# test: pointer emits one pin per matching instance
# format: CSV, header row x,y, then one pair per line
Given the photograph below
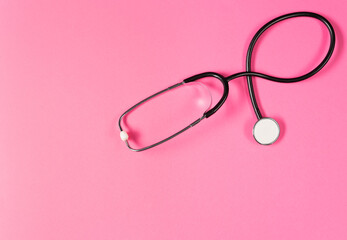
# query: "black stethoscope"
x,y
266,130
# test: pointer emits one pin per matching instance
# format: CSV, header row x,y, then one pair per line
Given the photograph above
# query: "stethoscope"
x,y
266,130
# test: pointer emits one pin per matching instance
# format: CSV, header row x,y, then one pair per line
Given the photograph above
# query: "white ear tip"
x,y
124,136
266,131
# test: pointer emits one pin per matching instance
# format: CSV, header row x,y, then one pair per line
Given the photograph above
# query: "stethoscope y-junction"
x,y
266,130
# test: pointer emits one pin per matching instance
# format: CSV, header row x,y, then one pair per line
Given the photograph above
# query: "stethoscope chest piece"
x,y
266,131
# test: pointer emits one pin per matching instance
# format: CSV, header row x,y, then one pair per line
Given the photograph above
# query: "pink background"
x,y
68,69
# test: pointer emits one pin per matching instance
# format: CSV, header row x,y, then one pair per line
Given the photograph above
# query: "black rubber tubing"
x,y
249,74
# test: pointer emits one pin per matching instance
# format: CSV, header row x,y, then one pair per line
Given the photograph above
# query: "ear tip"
x,y
124,136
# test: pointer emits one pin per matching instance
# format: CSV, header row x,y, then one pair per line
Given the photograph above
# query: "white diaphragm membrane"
x,y
266,131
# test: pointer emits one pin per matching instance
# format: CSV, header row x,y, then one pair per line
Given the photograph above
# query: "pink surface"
x,y
68,69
